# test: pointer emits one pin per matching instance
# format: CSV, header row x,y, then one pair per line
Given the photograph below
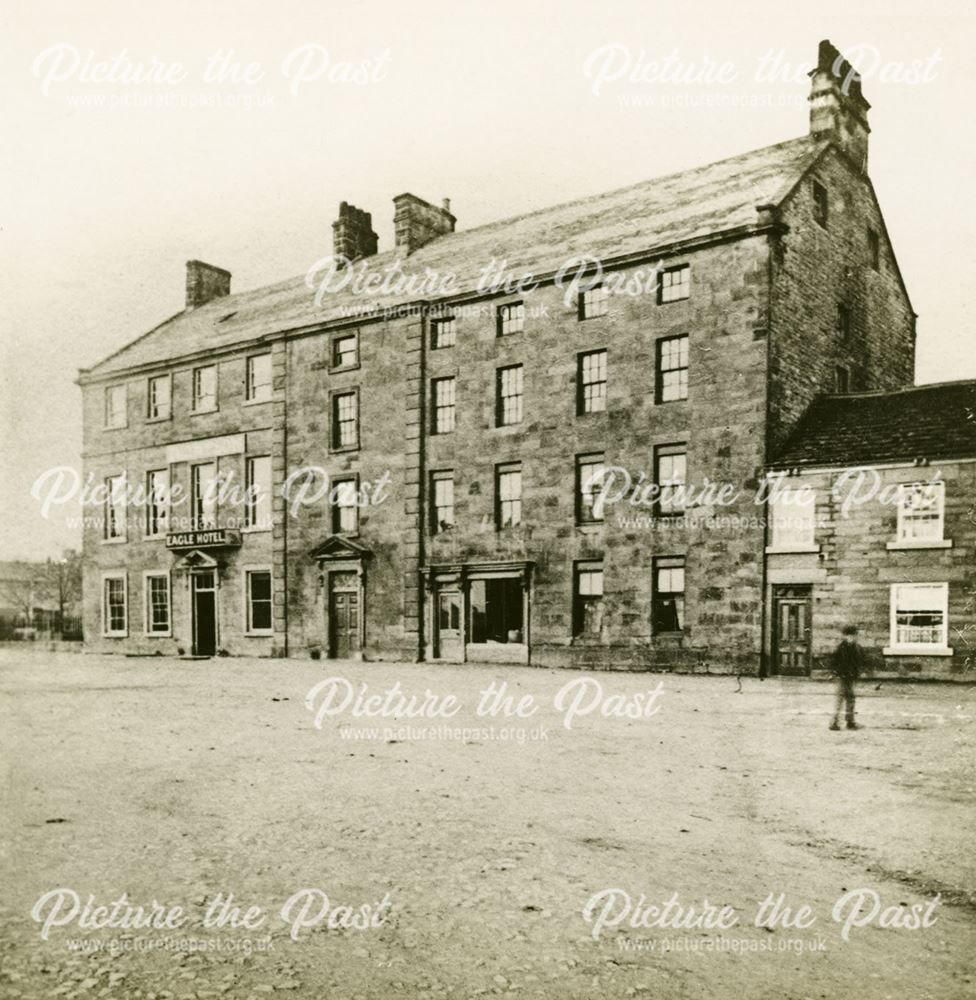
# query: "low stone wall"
x,y
43,645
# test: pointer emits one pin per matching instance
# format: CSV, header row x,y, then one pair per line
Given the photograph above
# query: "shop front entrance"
x,y
478,612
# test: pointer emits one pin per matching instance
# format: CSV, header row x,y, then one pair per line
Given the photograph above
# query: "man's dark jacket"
x,y
847,660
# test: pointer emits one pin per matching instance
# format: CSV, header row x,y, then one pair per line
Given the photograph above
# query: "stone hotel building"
x,y
448,447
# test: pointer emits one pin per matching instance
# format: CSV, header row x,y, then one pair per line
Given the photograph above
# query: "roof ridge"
x,y
806,138
583,199
635,216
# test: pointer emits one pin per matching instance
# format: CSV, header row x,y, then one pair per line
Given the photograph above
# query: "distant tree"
x,y
44,595
62,586
18,593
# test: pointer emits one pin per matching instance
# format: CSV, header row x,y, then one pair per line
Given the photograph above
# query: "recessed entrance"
x,y
448,645
204,603
343,615
342,588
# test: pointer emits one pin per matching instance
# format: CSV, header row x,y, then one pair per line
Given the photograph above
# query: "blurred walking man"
x,y
846,663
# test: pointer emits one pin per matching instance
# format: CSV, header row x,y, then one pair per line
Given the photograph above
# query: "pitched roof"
x,y
683,206
927,421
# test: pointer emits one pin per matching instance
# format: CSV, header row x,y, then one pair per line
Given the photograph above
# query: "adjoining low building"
x,y
874,524
423,457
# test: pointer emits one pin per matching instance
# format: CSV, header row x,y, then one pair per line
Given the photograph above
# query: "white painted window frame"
x,y
901,540
147,616
124,422
195,399
251,396
919,648
150,382
122,575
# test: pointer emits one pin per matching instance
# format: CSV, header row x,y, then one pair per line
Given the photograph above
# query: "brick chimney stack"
x,y
205,282
417,222
838,109
352,233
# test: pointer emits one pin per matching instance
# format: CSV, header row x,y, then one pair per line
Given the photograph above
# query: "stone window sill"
x,y
775,550
255,402
917,651
940,543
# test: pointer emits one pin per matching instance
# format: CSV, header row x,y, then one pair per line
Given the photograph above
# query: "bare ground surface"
x,y
172,781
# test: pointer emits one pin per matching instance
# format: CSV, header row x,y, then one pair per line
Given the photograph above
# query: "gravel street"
x,y
467,855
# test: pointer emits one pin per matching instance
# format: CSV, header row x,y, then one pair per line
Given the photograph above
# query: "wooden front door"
x,y
204,613
447,626
343,615
791,630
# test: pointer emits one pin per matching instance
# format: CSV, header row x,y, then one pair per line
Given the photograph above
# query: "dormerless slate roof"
x,y
927,421
675,208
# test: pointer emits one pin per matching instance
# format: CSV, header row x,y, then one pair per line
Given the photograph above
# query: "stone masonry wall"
x,y
815,270
381,380
852,573
721,422
140,447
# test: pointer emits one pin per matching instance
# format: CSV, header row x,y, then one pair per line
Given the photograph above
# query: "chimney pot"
x,y
205,282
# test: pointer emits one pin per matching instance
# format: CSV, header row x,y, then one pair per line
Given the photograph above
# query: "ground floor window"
x,y
668,611
157,603
258,601
496,610
114,606
919,615
588,599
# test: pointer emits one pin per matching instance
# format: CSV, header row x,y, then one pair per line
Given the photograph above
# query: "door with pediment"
x,y
344,610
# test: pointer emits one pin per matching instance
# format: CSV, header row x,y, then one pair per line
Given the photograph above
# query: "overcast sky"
x,y
105,196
